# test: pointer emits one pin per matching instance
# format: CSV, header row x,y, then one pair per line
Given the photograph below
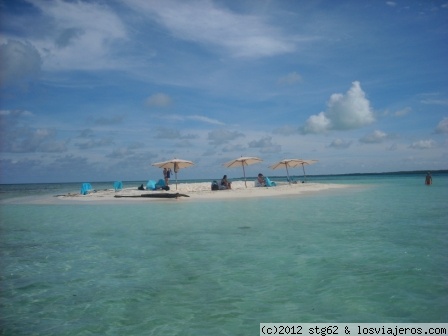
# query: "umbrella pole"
x,y
304,175
244,172
287,173
176,179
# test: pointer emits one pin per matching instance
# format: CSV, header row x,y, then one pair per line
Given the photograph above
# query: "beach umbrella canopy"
x,y
301,162
175,165
286,163
292,163
242,162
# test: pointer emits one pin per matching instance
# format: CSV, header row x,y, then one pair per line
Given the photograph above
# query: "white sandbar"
x,y
202,190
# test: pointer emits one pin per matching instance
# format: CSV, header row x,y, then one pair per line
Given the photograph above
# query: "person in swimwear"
x,y
428,179
167,175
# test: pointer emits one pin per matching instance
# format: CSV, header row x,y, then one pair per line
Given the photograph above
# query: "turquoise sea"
x,y
374,252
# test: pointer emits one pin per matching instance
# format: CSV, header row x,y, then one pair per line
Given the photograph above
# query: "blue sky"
x,y
99,90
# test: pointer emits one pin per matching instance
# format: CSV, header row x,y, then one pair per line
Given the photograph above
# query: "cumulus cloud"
x,y
29,140
374,137
340,144
17,136
20,62
79,35
317,124
265,145
209,24
158,100
423,144
222,136
344,112
442,126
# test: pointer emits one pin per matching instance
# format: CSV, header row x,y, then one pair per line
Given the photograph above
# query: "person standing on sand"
x,y
428,179
167,175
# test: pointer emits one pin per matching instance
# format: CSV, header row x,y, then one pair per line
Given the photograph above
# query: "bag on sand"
x,y
215,185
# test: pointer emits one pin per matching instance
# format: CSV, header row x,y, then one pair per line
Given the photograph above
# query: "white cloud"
x,y
206,23
80,35
339,144
158,100
374,137
29,140
222,136
351,110
200,118
423,144
442,126
317,124
265,144
17,136
168,133
11,116
402,112
443,102
205,119
290,79
19,62
344,112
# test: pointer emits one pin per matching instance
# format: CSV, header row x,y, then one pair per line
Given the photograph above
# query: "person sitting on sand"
x,y
225,183
260,181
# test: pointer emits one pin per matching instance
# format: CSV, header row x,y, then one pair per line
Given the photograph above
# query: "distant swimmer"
x,y
428,179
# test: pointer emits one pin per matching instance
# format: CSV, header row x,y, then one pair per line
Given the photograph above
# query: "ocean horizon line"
x,y
198,180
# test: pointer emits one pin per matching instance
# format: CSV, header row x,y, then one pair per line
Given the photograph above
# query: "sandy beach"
x,y
201,191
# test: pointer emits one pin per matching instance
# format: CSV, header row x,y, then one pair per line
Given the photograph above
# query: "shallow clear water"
x,y
373,253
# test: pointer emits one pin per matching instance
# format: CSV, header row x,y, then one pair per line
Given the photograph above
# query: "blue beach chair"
x,y
118,185
86,188
269,183
160,184
151,185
